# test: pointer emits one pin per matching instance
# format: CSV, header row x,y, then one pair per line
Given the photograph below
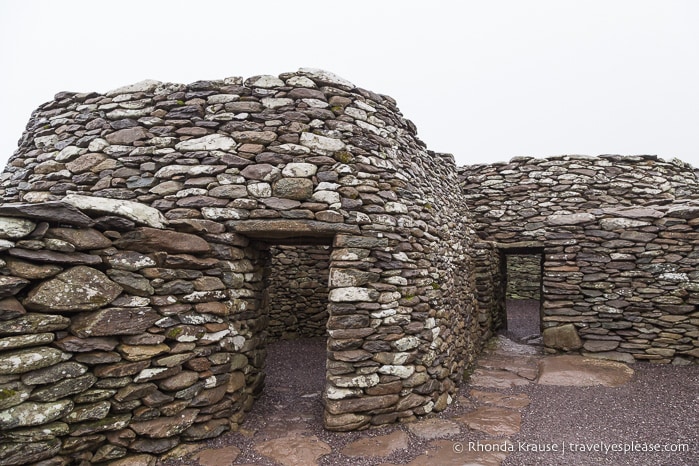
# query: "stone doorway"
x,y
294,316
524,286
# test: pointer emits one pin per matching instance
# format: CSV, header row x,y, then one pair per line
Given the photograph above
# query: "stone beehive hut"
x,y
153,240
618,242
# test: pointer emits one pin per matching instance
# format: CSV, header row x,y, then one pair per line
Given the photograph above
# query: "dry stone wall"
x,y
137,233
621,242
524,276
297,292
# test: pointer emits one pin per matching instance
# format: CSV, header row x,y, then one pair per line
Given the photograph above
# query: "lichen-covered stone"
x,y
77,289
26,360
34,414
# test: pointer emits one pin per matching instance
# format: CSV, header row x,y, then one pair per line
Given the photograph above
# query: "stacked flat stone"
x,y
136,236
620,237
297,292
523,276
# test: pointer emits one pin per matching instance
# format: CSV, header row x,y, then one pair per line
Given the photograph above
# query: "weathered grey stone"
x,y
110,423
34,414
13,393
208,142
19,453
64,388
34,323
147,86
54,373
293,188
91,412
131,282
47,211
22,341
77,289
26,360
569,219
10,286
139,213
352,293
15,228
113,321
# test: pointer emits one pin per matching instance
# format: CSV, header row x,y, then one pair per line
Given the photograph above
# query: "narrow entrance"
x,y
294,305
523,294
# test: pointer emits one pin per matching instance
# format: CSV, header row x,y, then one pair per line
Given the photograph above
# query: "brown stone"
x,y
114,321
563,337
579,371
29,271
294,450
54,257
121,369
493,421
74,344
146,240
367,403
10,308
450,453
163,427
429,429
595,346
180,381
217,456
502,400
126,136
85,239
378,446
496,379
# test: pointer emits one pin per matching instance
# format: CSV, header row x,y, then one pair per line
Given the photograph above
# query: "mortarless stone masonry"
x,y
154,238
142,236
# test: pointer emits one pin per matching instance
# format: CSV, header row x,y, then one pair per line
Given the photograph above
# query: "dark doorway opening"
x,y
294,308
523,304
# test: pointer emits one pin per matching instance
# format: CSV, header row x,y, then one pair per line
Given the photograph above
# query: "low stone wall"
x,y
115,342
297,292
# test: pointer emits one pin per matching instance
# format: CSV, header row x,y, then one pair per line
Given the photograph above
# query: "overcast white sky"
x,y
484,80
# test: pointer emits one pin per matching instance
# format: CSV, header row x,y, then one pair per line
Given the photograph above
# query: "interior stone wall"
x,y
621,241
523,276
489,265
297,292
136,228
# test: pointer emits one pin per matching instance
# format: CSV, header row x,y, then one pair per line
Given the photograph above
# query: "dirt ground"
x,y
657,408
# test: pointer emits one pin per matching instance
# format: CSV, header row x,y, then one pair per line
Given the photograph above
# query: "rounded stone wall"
x,y
620,240
135,240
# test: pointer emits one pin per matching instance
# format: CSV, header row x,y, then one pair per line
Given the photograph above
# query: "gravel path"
x,y
659,405
523,320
